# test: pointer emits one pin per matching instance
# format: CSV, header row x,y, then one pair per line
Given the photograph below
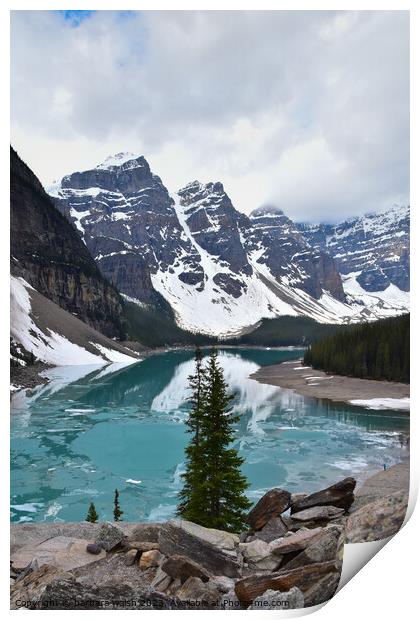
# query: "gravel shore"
x,y
316,383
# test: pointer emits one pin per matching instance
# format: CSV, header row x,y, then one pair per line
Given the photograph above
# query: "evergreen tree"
x,y
214,487
378,350
92,515
190,498
117,510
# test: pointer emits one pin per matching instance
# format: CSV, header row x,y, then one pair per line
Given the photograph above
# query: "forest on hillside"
x,y
379,350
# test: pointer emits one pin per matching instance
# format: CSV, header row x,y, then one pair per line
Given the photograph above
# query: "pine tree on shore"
x,y
117,510
214,487
379,350
190,498
92,515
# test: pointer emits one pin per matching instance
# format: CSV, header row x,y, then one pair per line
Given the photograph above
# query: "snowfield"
x,y
397,404
47,345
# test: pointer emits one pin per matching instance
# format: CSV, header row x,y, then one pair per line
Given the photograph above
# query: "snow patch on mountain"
x,y
47,345
222,271
117,160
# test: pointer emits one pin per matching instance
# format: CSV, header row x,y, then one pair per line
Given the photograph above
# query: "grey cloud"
x,y
309,110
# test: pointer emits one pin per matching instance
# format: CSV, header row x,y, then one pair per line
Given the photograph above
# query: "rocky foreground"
x,y
289,557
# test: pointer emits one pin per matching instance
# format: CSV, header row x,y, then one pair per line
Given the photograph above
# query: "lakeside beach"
x,y
315,383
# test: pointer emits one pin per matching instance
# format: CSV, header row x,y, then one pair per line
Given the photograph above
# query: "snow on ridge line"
x,y
51,347
117,160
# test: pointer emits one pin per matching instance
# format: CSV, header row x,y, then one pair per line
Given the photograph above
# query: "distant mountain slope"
x,y
49,254
52,335
374,248
219,270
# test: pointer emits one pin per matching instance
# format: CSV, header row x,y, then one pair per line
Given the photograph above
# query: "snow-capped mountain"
x,y
372,253
62,309
220,270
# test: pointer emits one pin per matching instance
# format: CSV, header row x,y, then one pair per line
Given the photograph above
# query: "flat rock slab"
x,y
339,495
382,484
273,529
296,542
194,590
377,520
30,534
181,567
145,532
31,587
110,536
60,551
323,590
273,599
318,513
326,546
272,504
305,577
215,550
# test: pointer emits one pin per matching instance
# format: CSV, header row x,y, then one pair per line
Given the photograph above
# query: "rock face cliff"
x,y
219,270
49,254
374,248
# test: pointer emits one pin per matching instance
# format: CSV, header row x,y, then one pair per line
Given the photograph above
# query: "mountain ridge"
x,y
218,269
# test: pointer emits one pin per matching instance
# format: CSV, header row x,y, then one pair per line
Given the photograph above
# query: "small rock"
x,y
230,601
273,529
179,566
296,542
318,513
322,548
33,565
12,582
273,599
339,495
222,583
174,586
323,590
130,557
110,536
146,532
297,497
258,555
150,558
194,590
142,546
272,504
94,548
161,580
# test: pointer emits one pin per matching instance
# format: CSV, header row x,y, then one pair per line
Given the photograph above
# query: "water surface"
x,y
92,430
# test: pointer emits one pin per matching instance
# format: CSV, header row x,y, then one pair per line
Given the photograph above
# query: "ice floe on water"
x,y
396,404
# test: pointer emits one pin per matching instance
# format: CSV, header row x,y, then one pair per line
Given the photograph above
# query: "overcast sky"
x,y
305,110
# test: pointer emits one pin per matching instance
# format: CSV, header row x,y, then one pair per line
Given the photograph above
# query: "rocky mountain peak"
x,y
118,173
266,211
204,195
219,269
119,159
373,249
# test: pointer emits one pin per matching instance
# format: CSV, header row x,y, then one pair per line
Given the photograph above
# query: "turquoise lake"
x,y
91,430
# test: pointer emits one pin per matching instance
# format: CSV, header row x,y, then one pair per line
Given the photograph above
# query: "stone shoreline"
x,y
289,557
318,384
